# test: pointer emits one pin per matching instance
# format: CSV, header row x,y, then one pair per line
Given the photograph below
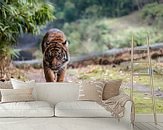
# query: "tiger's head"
x,y
54,36
55,57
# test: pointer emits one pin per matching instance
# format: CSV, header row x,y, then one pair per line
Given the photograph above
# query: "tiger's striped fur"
x,y
55,55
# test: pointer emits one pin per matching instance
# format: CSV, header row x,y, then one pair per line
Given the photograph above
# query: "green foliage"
x,y
71,10
122,38
20,16
5,50
86,36
89,30
92,35
153,14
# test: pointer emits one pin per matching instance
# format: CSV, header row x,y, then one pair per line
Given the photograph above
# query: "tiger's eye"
x,y
47,43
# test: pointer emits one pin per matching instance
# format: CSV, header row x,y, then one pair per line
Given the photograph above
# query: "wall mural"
x,y
84,40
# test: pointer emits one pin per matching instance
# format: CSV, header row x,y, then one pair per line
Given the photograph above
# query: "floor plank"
x,y
151,127
141,126
148,126
157,126
136,128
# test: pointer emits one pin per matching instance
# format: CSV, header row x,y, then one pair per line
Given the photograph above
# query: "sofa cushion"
x,y
16,95
5,85
90,91
111,89
80,109
18,84
26,109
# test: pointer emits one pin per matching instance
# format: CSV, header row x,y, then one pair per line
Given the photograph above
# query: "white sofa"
x,y
57,108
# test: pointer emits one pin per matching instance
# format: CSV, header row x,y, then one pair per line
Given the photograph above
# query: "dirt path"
x,y
35,74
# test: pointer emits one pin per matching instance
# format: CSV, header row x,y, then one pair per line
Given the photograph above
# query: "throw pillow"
x,y
18,84
16,95
5,85
111,89
90,91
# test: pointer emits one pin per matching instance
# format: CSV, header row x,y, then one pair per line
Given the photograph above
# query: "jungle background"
x,y
99,34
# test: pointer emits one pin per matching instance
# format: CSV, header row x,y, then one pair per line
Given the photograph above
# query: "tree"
x,y
17,17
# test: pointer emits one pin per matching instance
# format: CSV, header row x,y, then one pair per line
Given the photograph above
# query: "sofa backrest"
x,y
57,92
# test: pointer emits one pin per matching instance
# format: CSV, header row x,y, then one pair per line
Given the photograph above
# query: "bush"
x,y
86,36
153,14
72,10
123,38
92,35
18,17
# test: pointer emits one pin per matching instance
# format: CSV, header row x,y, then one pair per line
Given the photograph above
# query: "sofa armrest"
x,y
127,118
127,112
128,109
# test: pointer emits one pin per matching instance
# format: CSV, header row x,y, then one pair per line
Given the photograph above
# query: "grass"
x,y
143,102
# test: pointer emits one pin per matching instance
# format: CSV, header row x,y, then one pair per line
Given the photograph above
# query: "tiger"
x,y
55,55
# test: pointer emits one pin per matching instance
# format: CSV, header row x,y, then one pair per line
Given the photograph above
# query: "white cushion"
x,y
16,95
26,109
55,92
5,85
80,109
18,84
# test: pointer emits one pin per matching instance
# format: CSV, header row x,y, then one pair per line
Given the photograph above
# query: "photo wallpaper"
x,y
92,40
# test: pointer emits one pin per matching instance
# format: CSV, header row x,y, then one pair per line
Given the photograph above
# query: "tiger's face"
x,y
55,56
54,36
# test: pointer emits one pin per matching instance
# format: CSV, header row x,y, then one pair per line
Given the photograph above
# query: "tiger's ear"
x,y
65,43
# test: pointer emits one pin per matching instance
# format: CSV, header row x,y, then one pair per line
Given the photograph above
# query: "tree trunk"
x,y
4,67
116,56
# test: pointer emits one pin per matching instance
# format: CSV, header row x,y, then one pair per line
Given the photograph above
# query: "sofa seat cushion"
x,y
26,109
80,109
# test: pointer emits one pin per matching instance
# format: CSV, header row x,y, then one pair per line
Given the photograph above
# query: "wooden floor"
x,y
148,126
